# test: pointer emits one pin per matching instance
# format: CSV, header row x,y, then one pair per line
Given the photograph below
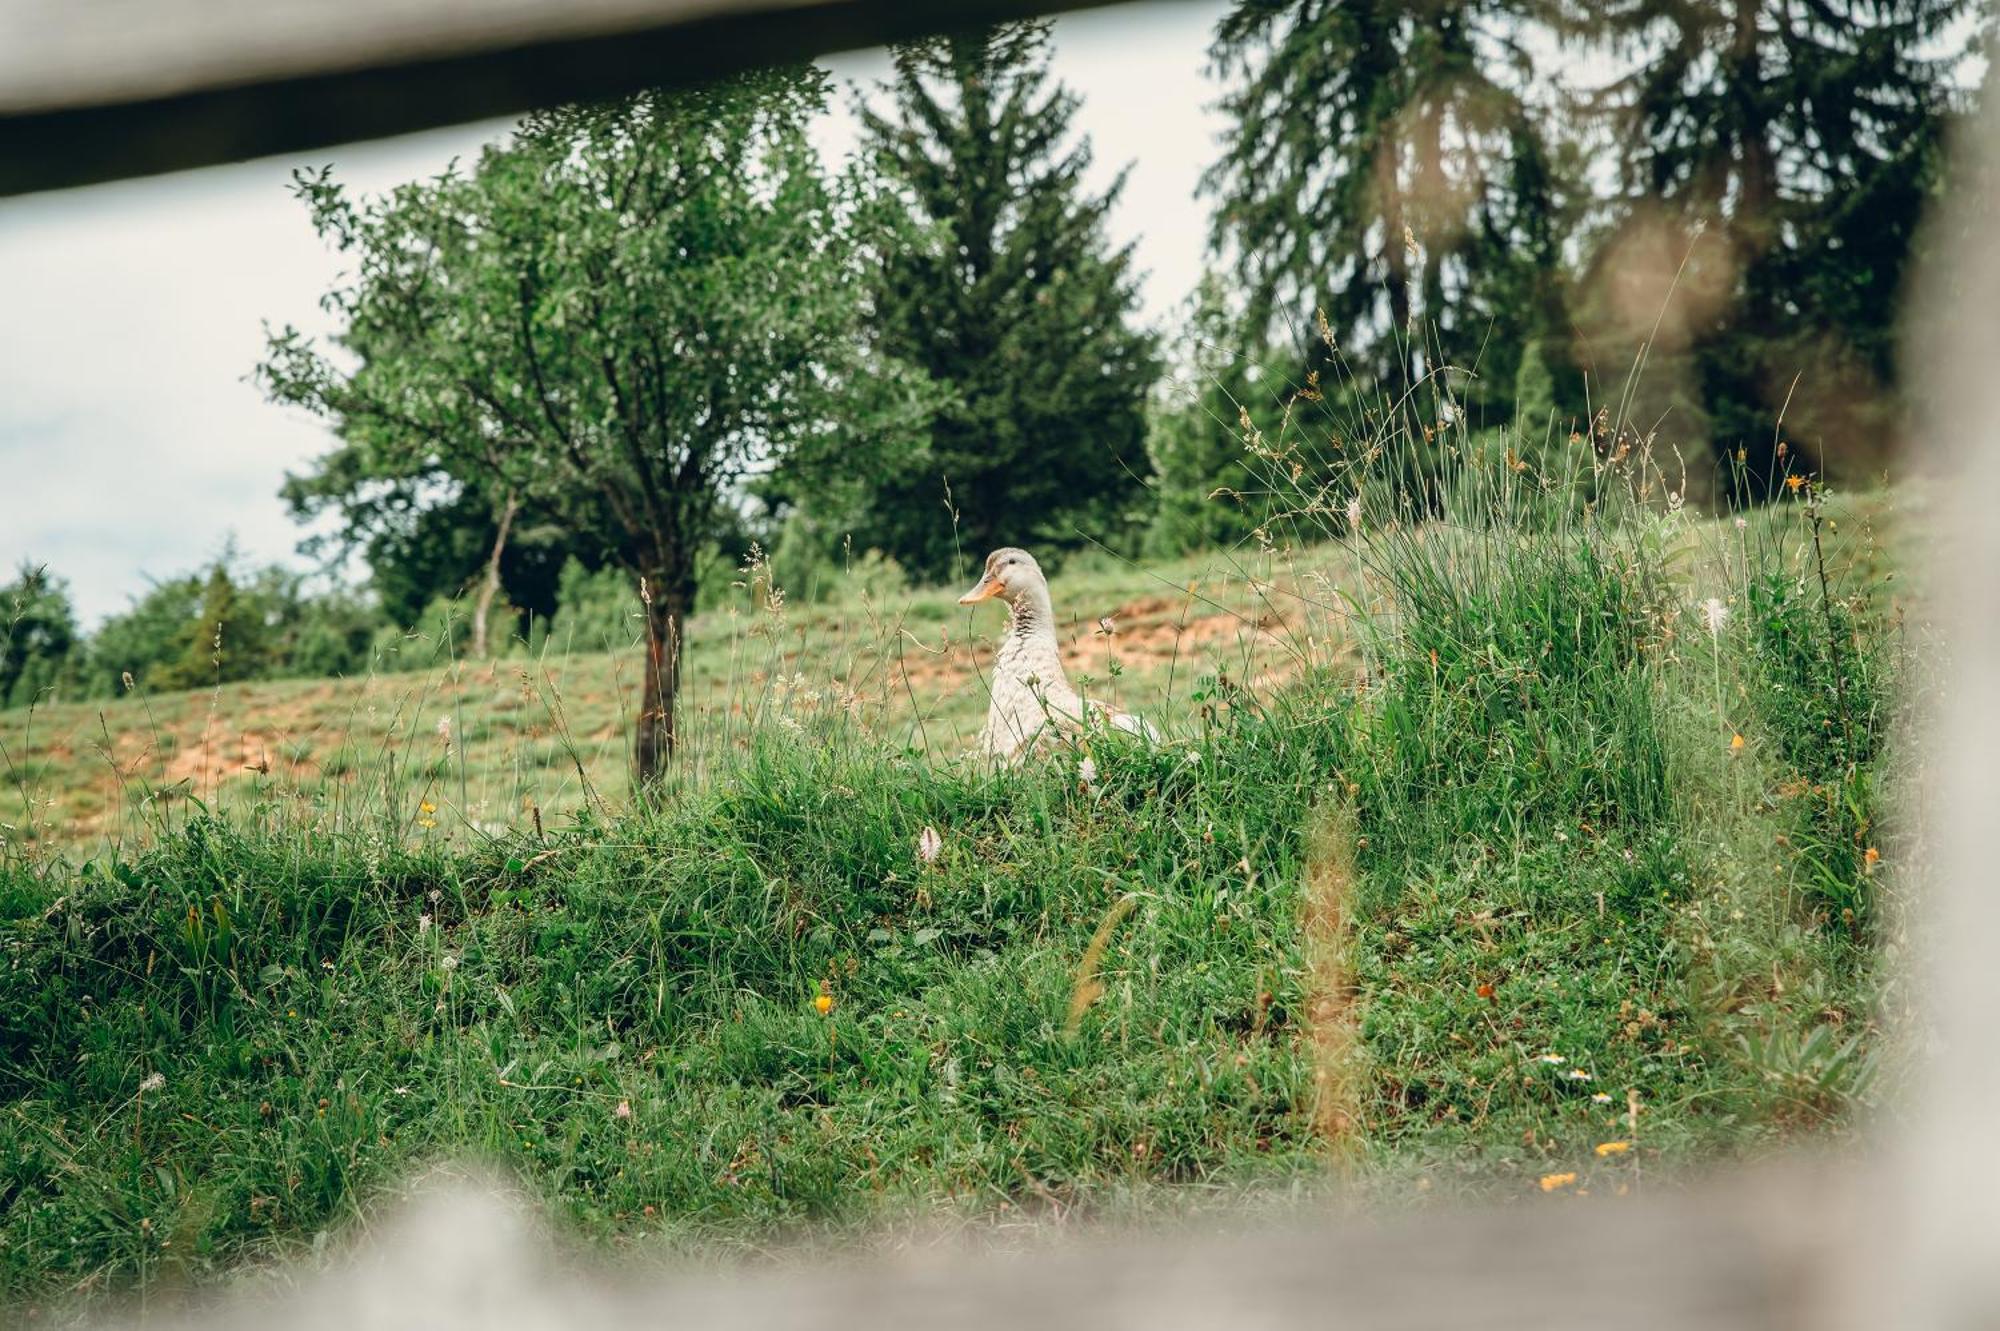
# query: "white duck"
x,y
1031,692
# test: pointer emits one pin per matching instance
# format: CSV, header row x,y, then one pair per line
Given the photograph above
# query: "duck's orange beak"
x,y
986,589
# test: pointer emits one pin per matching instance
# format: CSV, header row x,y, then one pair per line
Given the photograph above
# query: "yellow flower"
x,y
823,1003
1735,742
427,807
1550,1182
1870,858
1613,1148
1794,482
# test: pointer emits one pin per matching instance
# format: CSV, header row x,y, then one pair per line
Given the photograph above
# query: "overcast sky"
x,y
130,443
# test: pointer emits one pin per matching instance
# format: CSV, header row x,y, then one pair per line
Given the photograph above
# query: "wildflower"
x,y
1736,742
1107,625
444,729
929,845
823,1002
1601,1098
125,677
1577,1074
449,963
1869,859
1714,614
624,1109
1552,1059
423,925
1793,483
1086,772
154,1081
1613,1148
427,807
1550,1182
1742,524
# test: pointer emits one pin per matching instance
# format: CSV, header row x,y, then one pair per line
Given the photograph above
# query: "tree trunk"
x,y
1395,223
667,601
490,585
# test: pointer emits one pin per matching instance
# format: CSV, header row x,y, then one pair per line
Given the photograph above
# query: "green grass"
x,y
1473,880
551,730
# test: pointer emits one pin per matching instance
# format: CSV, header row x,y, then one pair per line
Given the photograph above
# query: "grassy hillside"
x,y
489,742
1532,849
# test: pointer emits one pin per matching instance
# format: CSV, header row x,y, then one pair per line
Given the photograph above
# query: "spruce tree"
x,y
1002,286
1384,168
1807,140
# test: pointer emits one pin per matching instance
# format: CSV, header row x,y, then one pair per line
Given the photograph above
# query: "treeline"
x,y
184,632
232,622
633,338
1685,226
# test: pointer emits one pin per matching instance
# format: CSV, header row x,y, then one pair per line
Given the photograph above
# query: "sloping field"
x,y
492,744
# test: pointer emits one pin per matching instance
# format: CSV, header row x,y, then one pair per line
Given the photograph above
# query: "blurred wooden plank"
x,y
1780,1248
94,90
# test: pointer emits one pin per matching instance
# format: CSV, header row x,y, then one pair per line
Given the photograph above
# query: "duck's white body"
x,y
1031,693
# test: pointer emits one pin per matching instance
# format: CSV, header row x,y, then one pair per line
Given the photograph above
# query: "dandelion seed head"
x,y
1715,615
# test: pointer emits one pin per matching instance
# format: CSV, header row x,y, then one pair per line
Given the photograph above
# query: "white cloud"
x,y
130,443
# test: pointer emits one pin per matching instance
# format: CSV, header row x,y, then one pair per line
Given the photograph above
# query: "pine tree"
x,y
1385,169
1002,287
227,641
1807,139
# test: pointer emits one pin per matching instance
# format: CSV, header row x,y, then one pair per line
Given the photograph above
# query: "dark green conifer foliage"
x,y
1384,168
1807,138
1000,284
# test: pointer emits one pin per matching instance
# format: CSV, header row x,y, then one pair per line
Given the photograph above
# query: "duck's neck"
x,y
1032,618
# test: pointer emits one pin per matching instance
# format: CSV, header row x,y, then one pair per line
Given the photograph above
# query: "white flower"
x,y
929,845
154,1081
1742,523
1086,771
1600,1099
1552,1059
1715,614
423,925
1577,1074
449,963
444,729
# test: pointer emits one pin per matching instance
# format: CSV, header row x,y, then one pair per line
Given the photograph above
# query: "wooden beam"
x,y
94,90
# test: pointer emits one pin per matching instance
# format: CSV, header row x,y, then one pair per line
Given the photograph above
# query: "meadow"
x,y
1534,843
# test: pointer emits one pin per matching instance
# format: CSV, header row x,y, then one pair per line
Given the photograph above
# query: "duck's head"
x,y
1010,574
